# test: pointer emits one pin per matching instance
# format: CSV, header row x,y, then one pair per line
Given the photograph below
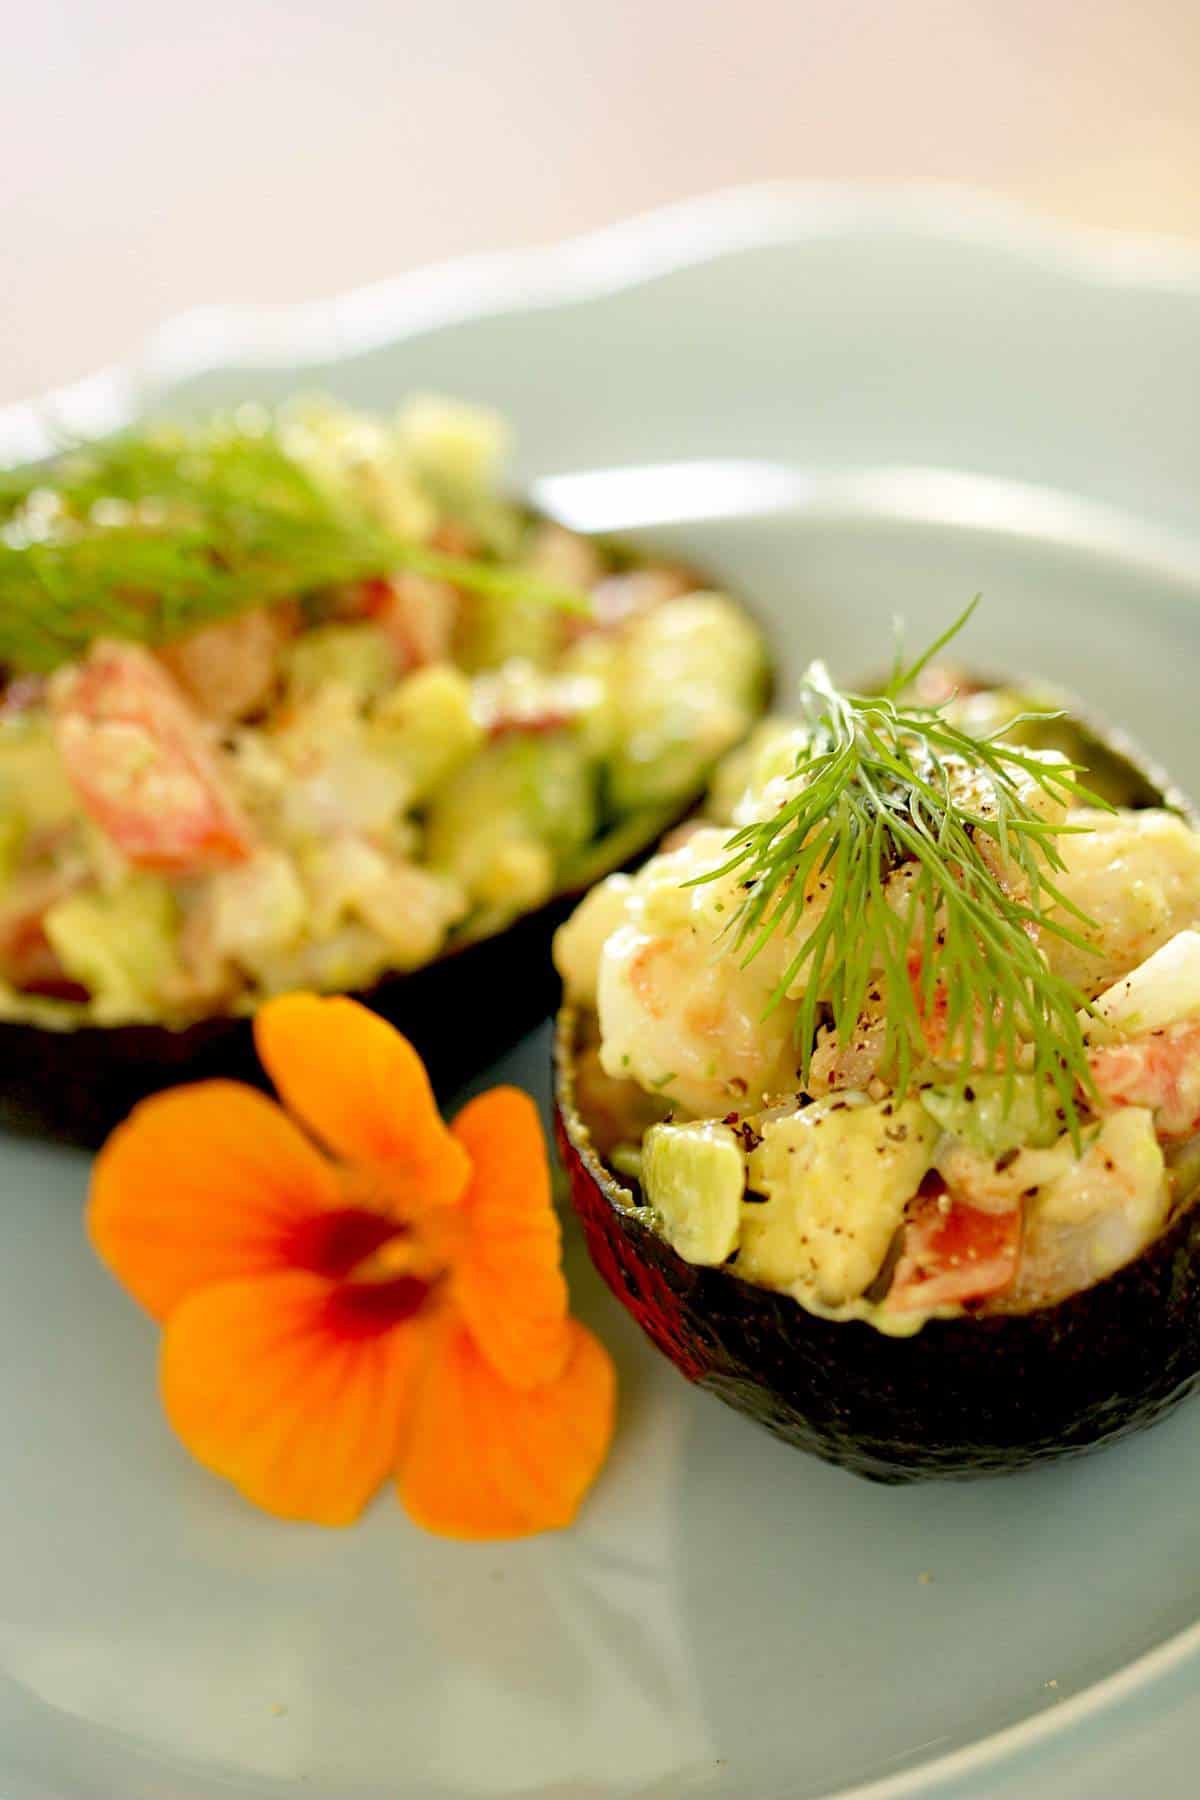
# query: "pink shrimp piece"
x,y
141,763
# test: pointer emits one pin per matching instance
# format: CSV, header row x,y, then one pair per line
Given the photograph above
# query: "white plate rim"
x,y
613,259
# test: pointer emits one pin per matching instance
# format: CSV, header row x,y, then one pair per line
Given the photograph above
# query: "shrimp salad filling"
x,y
964,1185
338,779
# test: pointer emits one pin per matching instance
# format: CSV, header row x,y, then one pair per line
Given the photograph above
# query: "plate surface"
x,y
852,406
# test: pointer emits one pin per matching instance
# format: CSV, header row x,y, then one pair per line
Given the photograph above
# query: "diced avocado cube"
x,y
991,1114
456,449
120,946
33,779
510,816
694,1177
428,723
685,687
836,1178
356,656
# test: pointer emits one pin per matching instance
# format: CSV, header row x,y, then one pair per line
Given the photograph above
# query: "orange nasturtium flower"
x,y
392,1303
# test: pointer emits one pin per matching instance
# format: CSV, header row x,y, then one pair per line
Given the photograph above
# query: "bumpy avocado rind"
x,y
964,1397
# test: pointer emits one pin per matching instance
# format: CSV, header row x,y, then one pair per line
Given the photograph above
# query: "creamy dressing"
x,y
348,782
985,1197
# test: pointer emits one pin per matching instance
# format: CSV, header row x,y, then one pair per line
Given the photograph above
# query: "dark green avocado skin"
x,y
460,1011
963,1398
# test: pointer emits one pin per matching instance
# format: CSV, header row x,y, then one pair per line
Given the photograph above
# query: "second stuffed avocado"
x,y
301,700
881,1093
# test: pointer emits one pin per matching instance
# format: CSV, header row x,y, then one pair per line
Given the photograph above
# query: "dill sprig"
x,y
884,787
157,532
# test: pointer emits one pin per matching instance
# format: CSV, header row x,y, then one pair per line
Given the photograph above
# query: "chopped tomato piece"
x,y
27,958
1160,1070
28,962
953,1253
141,764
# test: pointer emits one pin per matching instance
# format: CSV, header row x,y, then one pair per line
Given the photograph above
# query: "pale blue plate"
x,y
850,405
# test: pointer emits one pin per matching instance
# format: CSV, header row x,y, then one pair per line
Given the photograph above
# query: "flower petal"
x,y
486,1460
264,1388
204,1183
361,1088
508,1279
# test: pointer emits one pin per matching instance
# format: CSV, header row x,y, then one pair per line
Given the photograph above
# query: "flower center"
x,y
385,1267
334,1243
361,1309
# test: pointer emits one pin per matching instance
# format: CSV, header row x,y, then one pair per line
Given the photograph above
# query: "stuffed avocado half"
x,y
880,1092
300,700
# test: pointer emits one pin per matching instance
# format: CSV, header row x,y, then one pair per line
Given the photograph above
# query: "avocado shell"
x,y
461,1010
963,1397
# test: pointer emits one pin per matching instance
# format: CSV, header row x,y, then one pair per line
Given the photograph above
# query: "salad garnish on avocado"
x,y
911,1028
302,699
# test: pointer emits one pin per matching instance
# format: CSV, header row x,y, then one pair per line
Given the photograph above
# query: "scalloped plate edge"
x,y
627,255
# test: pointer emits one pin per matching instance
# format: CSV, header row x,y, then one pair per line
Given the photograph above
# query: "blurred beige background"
x,y
157,155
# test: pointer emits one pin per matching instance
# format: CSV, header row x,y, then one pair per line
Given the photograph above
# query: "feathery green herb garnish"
x,y
884,787
164,530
